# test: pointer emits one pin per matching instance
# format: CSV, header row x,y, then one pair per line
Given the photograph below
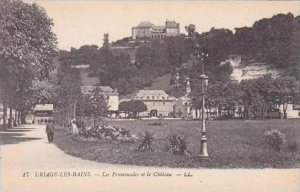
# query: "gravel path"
x,y
30,163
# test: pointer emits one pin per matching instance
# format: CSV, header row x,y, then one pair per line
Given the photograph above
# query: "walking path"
x,y
30,163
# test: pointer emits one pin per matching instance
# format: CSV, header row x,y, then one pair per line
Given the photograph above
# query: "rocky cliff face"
x,y
248,69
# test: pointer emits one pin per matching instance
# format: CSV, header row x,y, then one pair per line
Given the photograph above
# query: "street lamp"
x,y
204,83
203,150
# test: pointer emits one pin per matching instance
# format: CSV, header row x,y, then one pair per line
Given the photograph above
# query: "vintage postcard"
x,y
146,96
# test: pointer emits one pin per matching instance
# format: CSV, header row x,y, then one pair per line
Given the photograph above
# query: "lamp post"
x,y
204,83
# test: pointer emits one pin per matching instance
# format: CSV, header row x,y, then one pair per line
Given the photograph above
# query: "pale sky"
x,y
84,22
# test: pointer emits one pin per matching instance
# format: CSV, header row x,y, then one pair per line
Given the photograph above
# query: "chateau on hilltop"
x,y
148,30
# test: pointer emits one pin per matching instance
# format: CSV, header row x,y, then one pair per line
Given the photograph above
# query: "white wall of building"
x,y
113,103
291,113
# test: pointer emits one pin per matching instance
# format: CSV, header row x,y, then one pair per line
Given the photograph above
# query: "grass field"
x,y
231,144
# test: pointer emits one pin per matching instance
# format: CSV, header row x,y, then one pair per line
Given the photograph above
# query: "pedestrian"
x,y
50,130
74,126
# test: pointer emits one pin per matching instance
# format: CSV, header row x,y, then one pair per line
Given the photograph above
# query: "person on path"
x,y
74,127
50,130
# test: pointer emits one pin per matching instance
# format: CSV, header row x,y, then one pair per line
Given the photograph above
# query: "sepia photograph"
x,y
127,95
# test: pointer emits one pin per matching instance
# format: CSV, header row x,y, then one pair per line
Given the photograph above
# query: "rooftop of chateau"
x,y
148,24
145,24
155,27
153,95
106,90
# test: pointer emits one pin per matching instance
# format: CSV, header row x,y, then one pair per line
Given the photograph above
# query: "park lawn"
x,y
231,144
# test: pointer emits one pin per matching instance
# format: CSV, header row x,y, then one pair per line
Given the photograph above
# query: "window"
x,y
164,103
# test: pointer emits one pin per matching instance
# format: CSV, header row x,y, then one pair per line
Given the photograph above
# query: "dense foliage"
x,y
27,50
274,41
253,97
133,107
107,133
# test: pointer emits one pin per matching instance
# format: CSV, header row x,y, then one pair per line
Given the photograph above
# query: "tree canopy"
x,y
27,50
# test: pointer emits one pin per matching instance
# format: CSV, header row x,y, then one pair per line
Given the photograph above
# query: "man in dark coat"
x,y
50,130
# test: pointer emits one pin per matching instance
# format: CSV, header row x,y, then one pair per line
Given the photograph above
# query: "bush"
x,y
293,146
178,145
275,139
147,142
107,133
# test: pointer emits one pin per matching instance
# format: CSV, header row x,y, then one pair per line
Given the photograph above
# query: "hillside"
x,y
270,44
162,83
86,79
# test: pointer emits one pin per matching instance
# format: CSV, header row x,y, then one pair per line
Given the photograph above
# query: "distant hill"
x,y
86,79
270,44
131,51
161,83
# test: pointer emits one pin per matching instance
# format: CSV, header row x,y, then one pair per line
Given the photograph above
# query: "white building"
x,y
158,102
110,94
146,29
42,113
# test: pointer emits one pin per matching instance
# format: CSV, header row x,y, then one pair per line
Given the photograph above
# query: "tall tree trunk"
x,y
220,112
4,113
15,119
284,108
246,113
23,117
19,117
10,118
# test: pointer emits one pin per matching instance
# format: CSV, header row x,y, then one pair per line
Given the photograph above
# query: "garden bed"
x,y
231,144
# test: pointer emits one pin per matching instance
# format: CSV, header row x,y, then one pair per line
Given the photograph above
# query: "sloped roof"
x,y
43,107
153,95
106,90
158,27
145,24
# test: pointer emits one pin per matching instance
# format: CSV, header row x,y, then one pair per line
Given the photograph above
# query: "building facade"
x,y
158,102
42,113
148,30
111,95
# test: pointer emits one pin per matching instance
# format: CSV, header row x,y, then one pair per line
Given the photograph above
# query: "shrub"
x,y
293,146
147,142
178,145
108,133
275,139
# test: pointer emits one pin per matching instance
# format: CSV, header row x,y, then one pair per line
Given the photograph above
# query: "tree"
x,y
225,96
133,106
252,99
68,91
106,41
27,49
124,107
137,107
98,104
190,29
283,91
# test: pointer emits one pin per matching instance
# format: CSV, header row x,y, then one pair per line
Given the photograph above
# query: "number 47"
x,y
26,174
